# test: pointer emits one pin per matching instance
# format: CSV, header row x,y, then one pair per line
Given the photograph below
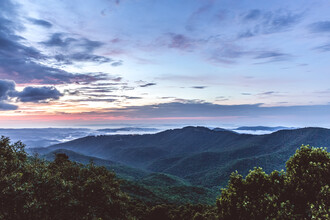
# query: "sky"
x,y
206,62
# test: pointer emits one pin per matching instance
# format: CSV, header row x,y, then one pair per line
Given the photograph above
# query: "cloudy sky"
x,y
221,62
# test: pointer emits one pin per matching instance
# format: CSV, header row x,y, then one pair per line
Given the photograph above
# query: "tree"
x,y
14,192
299,193
31,188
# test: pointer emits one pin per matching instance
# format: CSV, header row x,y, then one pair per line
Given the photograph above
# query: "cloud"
x,y
6,88
93,100
26,71
270,54
199,87
227,54
38,94
132,97
25,64
57,40
230,53
148,84
253,14
29,94
180,41
115,79
267,93
222,100
72,92
117,63
196,17
117,2
323,48
268,22
40,22
71,49
92,90
98,89
6,107
205,109
66,41
321,26
82,57
246,34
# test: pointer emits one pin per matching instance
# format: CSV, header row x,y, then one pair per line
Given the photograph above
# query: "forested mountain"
x,y
32,188
199,155
260,128
152,188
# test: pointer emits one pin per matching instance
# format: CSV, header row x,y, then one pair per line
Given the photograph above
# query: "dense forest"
x,y
34,188
197,155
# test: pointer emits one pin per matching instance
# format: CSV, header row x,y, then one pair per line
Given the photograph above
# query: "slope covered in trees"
x,y
302,192
31,188
152,188
35,189
197,154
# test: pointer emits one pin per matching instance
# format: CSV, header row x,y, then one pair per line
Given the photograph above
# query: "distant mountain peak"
x,y
261,128
223,129
195,128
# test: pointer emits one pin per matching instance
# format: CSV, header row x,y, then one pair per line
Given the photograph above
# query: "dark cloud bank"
x,y
29,94
26,64
191,109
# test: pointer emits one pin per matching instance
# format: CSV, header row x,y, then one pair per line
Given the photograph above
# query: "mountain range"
x,y
187,157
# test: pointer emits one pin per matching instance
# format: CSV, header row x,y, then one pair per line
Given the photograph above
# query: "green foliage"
x,y
198,155
154,188
183,212
170,194
300,193
35,189
32,188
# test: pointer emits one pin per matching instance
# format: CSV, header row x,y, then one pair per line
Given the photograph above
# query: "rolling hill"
x,y
198,155
152,188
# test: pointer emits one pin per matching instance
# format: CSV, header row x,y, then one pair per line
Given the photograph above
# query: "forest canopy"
x,y
32,188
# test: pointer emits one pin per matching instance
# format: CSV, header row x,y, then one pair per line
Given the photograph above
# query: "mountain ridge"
x,y
199,151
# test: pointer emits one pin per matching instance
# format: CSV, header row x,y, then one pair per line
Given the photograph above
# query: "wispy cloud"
x,y
26,64
323,48
66,41
268,22
272,56
199,87
231,53
148,84
319,27
180,41
82,57
253,14
195,18
197,109
40,22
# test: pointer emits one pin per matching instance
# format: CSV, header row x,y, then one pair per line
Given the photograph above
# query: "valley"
x,y
189,164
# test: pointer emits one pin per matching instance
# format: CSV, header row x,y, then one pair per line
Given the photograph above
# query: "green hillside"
x,y
33,188
152,188
198,155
